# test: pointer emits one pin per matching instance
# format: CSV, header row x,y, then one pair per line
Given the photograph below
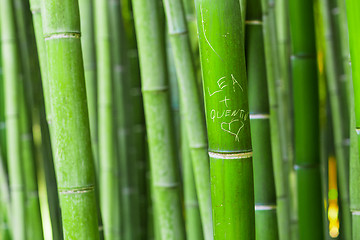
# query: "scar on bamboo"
x,y
206,39
230,130
235,82
221,84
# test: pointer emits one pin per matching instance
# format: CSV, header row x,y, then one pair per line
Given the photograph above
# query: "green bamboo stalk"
x,y
128,176
264,186
109,187
190,100
35,7
2,114
339,125
158,118
354,172
272,71
33,217
353,8
192,212
88,46
306,119
227,113
73,162
285,103
12,108
138,148
5,205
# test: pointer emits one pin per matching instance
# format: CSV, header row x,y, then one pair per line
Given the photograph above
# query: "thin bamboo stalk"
x,y
192,211
35,7
272,68
73,162
128,176
5,205
281,15
337,112
190,100
353,8
109,187
33,216
227,113
264,186
27,103
88,46
12,108
158,118
306,119
138,149
354,172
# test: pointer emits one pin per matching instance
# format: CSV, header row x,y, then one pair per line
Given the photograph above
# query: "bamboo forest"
x,y
179,119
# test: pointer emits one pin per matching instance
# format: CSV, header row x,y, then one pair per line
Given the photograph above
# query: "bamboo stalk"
x,y
88,46
73,162
264,186
192,211
190,100
272,68
339,125
33,217
46,127
158,118
353,7
27,103
138,147
306,119
12,108
109,187
5,205
128,176
227,113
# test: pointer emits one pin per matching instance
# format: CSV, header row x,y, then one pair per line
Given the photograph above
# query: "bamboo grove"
x,y
179,119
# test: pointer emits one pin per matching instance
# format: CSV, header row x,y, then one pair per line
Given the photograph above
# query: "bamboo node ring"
x,y
243,155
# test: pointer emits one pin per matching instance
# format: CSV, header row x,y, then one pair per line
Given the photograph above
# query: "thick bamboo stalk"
x,y
280,171
12,107
190,100
109,168
158,118
353,17
264,186
35,7
227,113
88,46
73,162
306,119
337,112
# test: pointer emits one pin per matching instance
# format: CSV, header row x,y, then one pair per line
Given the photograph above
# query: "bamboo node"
x,y
265,207
253,22
74,35
355,212
79,190
36,10
180,32
243,155
166,185
259,116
